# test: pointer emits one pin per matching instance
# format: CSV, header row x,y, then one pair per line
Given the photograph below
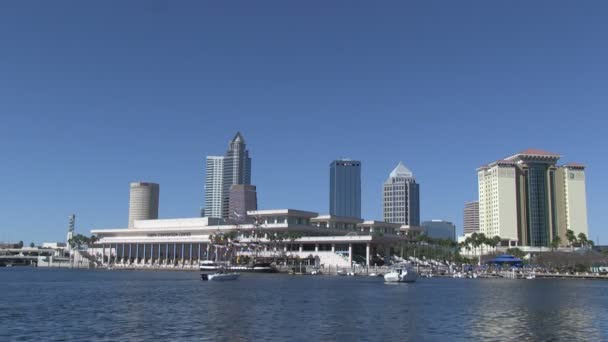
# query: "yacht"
x,y
402,275
220,275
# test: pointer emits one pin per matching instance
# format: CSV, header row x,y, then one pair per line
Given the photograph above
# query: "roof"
x,y
401,171
238,138
537,152
574,165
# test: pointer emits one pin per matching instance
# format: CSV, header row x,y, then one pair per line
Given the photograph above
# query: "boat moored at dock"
x,y
403,274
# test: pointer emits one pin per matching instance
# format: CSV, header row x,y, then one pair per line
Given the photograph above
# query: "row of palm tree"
x,y
479,240
78,241
582,239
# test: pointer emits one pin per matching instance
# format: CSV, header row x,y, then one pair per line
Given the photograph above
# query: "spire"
x,y
401,171
238,139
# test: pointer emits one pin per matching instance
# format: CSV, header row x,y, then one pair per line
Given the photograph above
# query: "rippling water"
x,y
78,305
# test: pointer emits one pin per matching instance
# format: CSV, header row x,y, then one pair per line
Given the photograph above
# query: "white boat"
x,y
531,276
341,272
350,274
373,275
220,276
401,275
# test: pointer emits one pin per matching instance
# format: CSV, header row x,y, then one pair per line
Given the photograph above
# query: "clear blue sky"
x,y
96,95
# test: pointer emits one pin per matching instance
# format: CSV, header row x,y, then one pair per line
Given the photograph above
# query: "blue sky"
x,y
96,95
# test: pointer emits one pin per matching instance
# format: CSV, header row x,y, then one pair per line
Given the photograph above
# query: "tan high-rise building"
x,y
471,218
572,199
143,201
528,199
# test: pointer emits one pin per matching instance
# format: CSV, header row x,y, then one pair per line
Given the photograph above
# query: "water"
x,y
78,305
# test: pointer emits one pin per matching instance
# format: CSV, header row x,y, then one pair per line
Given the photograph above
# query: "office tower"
x,y
237,170
214,176
143,201
345,188
223,172
526,198
439,229
243,198
471,217
571,196
401,197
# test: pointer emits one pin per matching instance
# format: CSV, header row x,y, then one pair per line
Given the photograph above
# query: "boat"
x,y
373,275
261,267
341,272
401,275
531,276
350,274
219,276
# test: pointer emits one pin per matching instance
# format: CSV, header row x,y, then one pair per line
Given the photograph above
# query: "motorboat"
x,y
341,273
350,273
401,275
531,276
219,276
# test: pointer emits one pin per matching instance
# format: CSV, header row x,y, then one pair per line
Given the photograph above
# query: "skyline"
x,y
89,107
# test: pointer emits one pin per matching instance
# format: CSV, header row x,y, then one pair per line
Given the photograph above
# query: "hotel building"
x,y
526,198
143,201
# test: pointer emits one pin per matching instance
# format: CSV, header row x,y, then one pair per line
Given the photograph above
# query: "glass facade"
x,y
537,199
345,188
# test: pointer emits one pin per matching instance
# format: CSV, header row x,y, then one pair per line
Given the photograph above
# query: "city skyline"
x,y
88,108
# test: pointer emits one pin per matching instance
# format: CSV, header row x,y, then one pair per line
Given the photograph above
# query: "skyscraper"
x,y
237,170
571,197
222,173
214,195
345,188
143,201
524,198
471,217
402,197
243,198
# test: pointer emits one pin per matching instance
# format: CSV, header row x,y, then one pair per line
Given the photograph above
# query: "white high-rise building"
x,y
401,197
571,194
498,200
214,186
143,201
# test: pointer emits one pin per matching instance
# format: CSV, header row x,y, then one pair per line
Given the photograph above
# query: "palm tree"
x,y
571,238
496,239
555,243
582,238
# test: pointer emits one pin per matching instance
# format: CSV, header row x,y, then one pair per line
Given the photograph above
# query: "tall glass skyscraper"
x,y
345,188
224,171
402,197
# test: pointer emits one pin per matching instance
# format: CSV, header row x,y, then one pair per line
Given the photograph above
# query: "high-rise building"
x,y
223,172
520,198
471,217
401,197
143,201
243,198
572,199
214,194
345,188
237,170
439,229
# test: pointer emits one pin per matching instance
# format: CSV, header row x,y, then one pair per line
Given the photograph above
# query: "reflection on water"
x,y
38,304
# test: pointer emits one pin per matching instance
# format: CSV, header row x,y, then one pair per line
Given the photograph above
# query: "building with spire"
x,y
525,198
224,171
401,197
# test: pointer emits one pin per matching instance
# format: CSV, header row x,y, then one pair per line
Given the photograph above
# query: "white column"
x,y
350,254
367,254
316,247
122,256
301,247
174,251
333,248
137,253
190,253
103,254
167,253
130,256
159,259
182,253
144,253
199,252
